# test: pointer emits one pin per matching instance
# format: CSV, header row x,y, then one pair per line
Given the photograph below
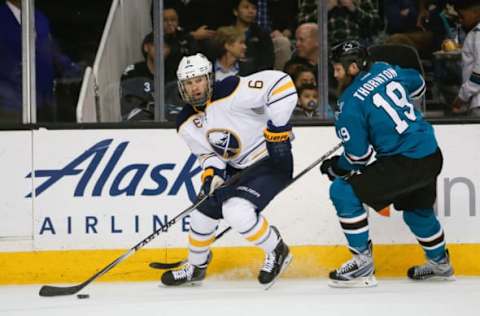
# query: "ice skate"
x,y
189,274
275,263
440,270
357,272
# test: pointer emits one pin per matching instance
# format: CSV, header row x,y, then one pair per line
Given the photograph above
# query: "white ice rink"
x,y
229,298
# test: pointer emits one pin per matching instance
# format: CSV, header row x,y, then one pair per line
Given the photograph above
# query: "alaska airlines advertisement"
x,y
103,189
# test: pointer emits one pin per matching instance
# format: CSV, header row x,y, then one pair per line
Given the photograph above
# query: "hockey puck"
x,y
81,296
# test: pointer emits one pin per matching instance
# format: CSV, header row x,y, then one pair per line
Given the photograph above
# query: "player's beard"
x,y
343,84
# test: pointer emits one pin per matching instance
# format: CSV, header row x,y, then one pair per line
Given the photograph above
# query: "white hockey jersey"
x,y
470,89
230,130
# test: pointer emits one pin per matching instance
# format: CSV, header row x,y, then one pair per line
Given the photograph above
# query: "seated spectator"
x,y
469,95
400,16
347,19
137,85
201,17
308,11
272,19
307,105
306,49
420,24
447,62
230,48
50,64
304,75
259,44
350,19
180,42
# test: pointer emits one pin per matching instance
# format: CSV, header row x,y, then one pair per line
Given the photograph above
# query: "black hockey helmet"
x,y
348,52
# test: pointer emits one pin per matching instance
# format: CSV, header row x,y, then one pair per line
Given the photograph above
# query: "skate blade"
x,y
436,279
369,281
186,284
285,265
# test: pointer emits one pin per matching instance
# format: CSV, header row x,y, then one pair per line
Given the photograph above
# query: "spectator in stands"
x,y
272,19
259,44
350,19
230,47
137,85
420,24
181,43
400,16
307,49
50,64
304,75
404,25
407,24
469,94
199,19
347,19
202,17
307,105
272,16
308,11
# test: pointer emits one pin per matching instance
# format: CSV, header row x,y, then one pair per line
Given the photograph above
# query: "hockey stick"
x,y
164,265
49,290
171,265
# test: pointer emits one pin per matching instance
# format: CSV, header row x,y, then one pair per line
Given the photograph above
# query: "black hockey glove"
x,y
329,167
279,147
212,178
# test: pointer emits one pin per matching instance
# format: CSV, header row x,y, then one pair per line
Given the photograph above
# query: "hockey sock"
x,y
427,229
241,215
351,214
201,236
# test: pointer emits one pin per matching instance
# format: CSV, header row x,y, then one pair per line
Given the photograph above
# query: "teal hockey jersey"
x,y
376,113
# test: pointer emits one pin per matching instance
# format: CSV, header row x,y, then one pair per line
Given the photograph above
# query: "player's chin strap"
x,y
164,265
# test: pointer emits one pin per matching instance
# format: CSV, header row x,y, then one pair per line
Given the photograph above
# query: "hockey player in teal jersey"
x,y
375,114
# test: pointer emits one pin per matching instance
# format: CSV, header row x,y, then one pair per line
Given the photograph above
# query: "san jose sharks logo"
x,y
338,109
225,143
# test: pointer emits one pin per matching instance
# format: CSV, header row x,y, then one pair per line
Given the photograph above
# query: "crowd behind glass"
x,y
241,37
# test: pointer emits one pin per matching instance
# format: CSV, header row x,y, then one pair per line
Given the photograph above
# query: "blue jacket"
x,y
47,57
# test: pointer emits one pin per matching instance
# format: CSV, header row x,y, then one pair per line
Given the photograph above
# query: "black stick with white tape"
x,y
50,290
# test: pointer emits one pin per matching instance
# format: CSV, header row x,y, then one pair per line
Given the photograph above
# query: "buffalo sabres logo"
x,y
224,142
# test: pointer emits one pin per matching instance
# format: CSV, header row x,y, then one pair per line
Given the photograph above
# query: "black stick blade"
x,y
48,290
165,266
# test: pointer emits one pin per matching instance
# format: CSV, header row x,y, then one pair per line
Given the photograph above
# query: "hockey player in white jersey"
x,y
469,94
230,125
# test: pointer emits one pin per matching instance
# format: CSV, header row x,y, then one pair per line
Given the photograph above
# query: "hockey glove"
x,y
279,147
329,167
212,178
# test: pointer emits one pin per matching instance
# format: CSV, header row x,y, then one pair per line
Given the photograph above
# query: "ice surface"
x,y
228,298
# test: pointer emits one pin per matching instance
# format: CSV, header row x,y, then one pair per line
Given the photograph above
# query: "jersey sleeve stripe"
x,y
276,83
279,99
282,88
361,160
251,151
211,160
419,92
